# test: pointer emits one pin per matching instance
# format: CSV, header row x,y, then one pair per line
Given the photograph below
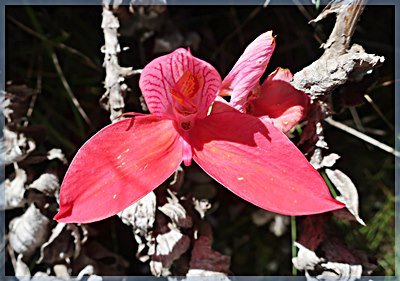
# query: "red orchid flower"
x,y
275,100
128,159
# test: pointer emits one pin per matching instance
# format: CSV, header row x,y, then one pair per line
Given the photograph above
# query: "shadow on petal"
x,y
228,125
282,102
257,162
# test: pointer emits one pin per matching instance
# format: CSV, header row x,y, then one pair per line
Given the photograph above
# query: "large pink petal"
x,y
117,166
281,102
179,79
257,162
247,71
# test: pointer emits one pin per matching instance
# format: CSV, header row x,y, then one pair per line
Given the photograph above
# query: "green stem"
x,y
294,237
53,133
317,3
299,129
329,184
53,56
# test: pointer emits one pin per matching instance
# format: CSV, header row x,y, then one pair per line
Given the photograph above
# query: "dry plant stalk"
x,y
340,62
113,98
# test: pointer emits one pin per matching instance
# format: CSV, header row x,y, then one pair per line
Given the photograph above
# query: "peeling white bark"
x,y
339,62
113,98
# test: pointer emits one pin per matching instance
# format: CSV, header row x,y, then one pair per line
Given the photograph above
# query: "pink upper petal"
x,y
281,102
258,163
117,166
247,71
179,84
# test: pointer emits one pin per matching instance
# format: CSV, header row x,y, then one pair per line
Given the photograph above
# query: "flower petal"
x,y
117,166
221,105
247,71
281,102
259,164
282,74
179,78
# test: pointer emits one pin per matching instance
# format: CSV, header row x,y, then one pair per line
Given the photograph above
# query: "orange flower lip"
x,y
185,88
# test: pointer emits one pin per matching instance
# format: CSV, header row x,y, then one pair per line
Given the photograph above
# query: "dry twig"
x,y
113,98
362,136
339,62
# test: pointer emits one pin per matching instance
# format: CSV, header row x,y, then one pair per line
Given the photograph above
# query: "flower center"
x,y
186,125
185,88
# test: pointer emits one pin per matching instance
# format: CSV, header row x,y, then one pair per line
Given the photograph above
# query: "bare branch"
x,y
68,89
339,63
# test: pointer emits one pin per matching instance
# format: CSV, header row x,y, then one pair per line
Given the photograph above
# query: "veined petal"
x,y
258,163
281,102
179,81
118,166
247,71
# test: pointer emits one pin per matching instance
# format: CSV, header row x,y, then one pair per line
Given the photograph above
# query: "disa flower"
x,y
126,160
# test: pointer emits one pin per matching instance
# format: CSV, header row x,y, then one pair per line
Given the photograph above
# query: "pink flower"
x,y
128,159
275,100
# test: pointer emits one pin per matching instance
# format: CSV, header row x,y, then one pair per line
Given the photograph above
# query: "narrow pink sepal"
x,y
118,166
258,163
247,71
